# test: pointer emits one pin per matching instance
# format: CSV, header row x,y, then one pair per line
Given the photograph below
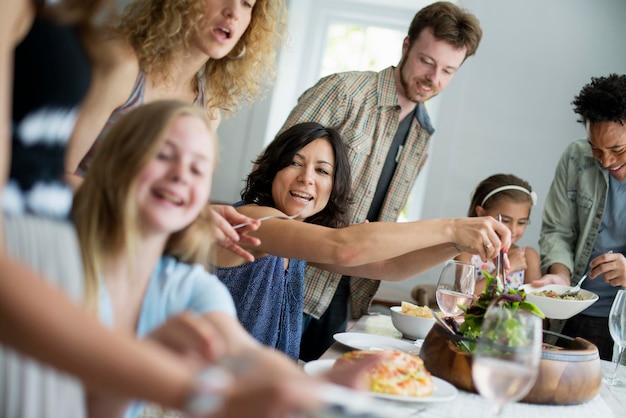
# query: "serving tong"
x,y
500,268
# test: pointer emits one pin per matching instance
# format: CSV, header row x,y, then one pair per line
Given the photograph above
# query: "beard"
x,y
410,91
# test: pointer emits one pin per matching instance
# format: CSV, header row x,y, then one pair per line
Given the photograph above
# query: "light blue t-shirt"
x,y
611,236
173,288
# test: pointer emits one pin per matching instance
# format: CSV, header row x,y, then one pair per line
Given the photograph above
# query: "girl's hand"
x,y
225,216
551,279
517,259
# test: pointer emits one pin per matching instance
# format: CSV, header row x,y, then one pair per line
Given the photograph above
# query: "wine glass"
x,y
506,359
455,287
617,328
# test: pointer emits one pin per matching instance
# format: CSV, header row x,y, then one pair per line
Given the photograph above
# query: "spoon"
x,y
574,290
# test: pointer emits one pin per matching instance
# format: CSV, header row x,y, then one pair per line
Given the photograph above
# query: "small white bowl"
x,y
559,308
411,326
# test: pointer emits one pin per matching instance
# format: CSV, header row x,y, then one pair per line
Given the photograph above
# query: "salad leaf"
x,y
494,294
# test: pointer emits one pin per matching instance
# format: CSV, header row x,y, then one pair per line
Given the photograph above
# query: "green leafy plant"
x,y
494,294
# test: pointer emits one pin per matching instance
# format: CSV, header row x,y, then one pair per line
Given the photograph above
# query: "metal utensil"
x,y
574,290
265,218
441,321
500,268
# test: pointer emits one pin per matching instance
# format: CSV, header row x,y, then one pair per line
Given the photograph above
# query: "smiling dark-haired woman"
x,y
306,170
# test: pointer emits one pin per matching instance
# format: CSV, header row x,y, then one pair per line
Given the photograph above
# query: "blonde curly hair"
x,y
157,28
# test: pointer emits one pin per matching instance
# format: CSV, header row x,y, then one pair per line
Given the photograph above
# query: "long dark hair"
x,y
280,153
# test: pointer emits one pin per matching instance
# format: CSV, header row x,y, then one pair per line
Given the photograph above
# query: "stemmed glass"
x,y
455,287
617,328
506,358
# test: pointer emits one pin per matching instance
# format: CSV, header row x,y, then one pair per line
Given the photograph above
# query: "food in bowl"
x,y
552,294
556,307
411,326
409,308
395,373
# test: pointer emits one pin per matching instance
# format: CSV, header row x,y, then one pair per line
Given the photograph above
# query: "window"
x,y
352,47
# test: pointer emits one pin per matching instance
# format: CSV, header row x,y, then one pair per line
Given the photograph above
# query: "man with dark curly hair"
x,y
584,218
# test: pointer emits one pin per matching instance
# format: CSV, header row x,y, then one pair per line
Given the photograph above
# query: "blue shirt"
x,y
269,300
610,238
174,287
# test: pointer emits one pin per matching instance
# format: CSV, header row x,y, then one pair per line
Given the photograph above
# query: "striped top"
x,y
51,77
135,100
364,108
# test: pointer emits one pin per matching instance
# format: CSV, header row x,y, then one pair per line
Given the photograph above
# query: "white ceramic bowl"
x,y
411,327
559,308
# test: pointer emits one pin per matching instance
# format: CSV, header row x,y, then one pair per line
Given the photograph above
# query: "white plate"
x,y
364,341
443,391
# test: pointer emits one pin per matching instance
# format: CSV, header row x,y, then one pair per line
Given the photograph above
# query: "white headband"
x,y
533,195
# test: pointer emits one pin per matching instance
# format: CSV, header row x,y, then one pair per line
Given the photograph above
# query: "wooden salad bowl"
x,y
569,373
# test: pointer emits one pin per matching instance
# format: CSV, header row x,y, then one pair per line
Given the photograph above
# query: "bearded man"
x,y
384,123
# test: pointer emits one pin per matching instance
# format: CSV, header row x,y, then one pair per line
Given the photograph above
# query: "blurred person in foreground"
x,y
41,276
145,237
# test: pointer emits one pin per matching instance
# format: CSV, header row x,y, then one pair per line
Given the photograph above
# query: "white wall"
x,y
507,110
509,107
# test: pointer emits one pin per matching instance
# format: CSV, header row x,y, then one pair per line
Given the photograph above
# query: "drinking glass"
x,y
506,359
455,287
617,328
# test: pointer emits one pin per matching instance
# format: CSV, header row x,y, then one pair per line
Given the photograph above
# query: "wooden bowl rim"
x,y
588,352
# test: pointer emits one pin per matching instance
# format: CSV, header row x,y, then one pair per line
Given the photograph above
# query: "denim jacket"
x,y
573,210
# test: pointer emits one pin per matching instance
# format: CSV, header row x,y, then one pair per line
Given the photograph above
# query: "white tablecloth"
x,y
610,402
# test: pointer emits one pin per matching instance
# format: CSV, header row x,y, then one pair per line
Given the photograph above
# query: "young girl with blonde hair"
x,y
144,226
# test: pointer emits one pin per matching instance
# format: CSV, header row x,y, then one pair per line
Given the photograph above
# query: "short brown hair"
x,y
449,23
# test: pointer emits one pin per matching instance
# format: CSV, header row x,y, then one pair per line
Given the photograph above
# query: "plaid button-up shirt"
x,y
363,107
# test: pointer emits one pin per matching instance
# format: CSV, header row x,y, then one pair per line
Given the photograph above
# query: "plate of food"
x,y
364,341
398,376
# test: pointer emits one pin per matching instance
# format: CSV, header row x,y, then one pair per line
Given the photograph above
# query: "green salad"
x,y
494,294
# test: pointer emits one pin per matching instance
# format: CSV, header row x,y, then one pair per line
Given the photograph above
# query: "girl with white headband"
x,y
512,198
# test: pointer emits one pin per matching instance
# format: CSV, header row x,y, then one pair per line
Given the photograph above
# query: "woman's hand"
x,y
484,236
225,216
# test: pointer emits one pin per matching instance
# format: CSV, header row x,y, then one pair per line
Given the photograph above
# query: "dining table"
x,y
609,402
